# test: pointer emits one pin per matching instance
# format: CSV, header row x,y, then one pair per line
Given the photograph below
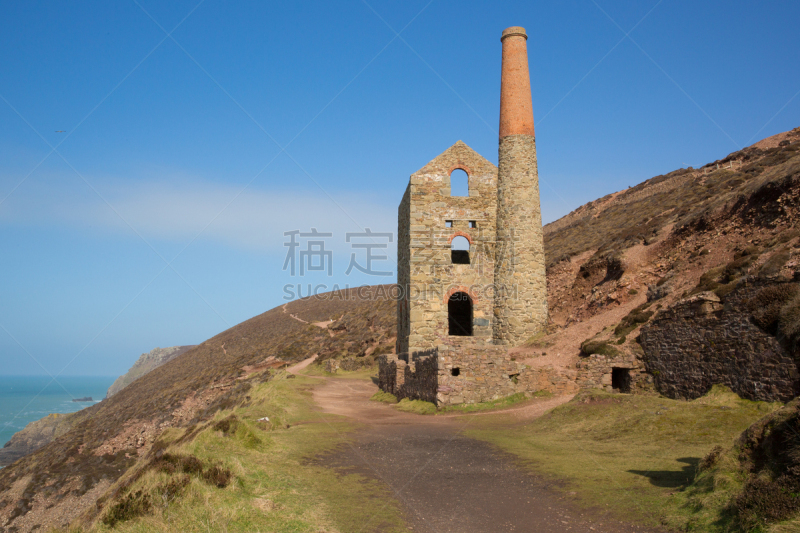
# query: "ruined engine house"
x,y
471,266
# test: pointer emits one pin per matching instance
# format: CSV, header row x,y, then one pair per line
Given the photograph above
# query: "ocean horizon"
x,y
24,399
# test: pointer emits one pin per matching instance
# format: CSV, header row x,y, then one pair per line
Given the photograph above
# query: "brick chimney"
x,y
520,302
516,107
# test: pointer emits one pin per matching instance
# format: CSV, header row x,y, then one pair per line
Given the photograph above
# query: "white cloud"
x,y
179,211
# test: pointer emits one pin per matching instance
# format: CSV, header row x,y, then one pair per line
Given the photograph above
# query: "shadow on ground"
x,y
672,478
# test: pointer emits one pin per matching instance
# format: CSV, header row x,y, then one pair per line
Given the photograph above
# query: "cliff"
x,y
147,362
37,434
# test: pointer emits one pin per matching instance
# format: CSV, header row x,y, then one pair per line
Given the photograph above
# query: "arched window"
x,y
459,314
459,183
459,250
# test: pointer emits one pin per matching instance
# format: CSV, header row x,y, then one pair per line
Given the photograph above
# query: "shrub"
x,y
750,250
216,476
132,505
633,320
227,425
709,280
767,304
736,268
774,264
763,502
724,290
172,489
591,347
711,458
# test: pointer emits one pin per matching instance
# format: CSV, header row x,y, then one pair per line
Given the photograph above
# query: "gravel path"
x,y
446,482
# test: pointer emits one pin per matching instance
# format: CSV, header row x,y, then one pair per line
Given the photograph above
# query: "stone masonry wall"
x,y
464,371
596,371
403,271
432,276
697,343
520,301
483,373
416,380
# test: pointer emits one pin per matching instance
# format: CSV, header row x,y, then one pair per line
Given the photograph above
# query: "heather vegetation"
x,y
237,473
687,198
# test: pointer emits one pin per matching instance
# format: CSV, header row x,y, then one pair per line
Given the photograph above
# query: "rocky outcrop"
x,y
147,362
35,435
699,342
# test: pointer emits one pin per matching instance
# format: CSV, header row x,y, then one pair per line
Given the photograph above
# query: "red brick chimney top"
x,y
516,106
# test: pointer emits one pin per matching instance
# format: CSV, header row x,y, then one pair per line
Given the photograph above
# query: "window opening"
x,y
459,250
459,183
459,314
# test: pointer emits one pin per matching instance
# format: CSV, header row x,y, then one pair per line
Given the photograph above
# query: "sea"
x,y
24,399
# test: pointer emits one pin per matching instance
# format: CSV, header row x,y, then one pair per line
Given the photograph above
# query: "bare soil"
x,y
446,481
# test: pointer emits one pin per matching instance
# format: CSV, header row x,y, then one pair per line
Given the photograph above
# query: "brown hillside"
x,y
670,236
614,263
75,469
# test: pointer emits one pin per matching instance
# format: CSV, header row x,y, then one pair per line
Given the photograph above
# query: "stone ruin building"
x,y
471,276
471,269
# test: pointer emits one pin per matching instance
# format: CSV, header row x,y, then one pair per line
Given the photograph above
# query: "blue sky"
x,y
197,133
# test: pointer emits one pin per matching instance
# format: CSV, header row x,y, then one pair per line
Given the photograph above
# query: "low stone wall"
x,y
548,379
416,380
470,372
597,372
467,371
697,344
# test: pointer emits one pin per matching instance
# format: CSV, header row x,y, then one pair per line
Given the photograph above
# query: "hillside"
x,y
147,362
79,466
615,263
656,243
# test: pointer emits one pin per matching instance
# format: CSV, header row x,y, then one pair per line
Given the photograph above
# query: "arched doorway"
x,y
459,314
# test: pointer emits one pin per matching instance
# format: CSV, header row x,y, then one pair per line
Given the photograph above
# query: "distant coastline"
x,y
25,399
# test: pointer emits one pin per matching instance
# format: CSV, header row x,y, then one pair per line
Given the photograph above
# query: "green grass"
x,y
276,485
416,406
384,397
427,408
365,373
484,406
627,454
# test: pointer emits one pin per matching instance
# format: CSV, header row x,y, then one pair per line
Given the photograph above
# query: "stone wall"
x,y
426,270
465,371
597,372
403,271
416,380
520,301
697,343
471,373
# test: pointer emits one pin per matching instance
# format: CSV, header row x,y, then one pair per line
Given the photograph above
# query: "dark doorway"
x,y
621,379
459,314
455,371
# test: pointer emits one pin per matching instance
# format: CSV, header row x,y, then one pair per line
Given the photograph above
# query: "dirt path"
x,y
446,482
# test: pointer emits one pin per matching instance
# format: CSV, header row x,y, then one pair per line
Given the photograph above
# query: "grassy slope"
x,y
627,454
276,487
218,360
